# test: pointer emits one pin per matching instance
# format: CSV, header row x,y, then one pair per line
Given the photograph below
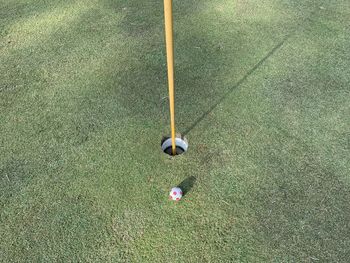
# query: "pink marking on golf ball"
x,y
175,194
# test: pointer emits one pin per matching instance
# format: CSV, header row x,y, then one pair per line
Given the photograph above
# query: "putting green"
x,y
262,95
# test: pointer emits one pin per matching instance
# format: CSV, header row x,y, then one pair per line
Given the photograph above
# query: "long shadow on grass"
x,y
201,62
227,93
270,53
206,58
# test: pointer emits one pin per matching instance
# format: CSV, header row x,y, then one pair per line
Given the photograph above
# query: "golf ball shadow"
x,y
187,184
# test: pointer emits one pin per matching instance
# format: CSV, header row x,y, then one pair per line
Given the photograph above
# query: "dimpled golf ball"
x,y
175,194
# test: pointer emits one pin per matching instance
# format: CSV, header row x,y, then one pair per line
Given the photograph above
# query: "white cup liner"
x,y
181,145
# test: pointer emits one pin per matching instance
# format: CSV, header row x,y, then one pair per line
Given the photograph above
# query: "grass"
x,y
262,92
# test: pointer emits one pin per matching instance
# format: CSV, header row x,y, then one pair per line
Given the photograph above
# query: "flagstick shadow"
x,y
250,72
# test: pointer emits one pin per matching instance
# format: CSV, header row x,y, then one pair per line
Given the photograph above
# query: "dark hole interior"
x,y
179,150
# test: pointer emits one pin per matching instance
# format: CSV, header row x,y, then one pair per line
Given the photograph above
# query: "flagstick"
x,y
168,16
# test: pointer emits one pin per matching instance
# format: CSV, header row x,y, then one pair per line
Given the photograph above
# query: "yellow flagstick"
x,y
168,16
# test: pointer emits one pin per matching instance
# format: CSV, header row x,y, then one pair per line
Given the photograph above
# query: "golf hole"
x,y
181,145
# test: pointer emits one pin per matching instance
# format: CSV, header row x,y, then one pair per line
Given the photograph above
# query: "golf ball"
x,y
175,194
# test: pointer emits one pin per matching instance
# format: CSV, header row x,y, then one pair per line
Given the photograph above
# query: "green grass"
x,y
262,93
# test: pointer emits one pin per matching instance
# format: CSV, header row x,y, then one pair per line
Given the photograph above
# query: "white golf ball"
x,y
175,194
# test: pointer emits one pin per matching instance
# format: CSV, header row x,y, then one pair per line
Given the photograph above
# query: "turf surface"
x,y
262,92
